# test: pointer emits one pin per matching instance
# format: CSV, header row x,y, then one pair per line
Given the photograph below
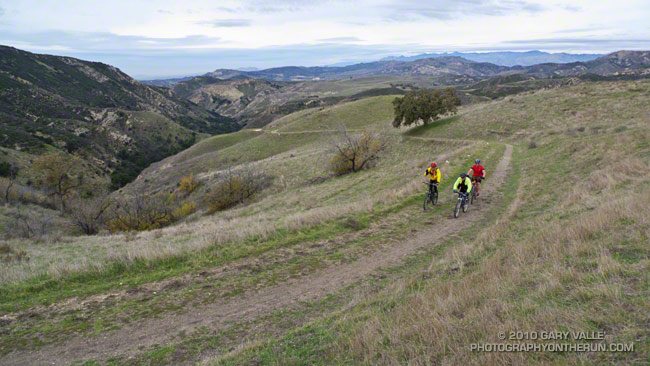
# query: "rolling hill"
x,y
350,270
95,111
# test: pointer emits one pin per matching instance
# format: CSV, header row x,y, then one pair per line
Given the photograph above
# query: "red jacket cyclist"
x,y
478,174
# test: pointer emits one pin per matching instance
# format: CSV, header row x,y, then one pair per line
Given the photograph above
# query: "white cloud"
x,y
403,26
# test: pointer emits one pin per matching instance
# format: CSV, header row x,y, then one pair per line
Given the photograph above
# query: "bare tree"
x,y
355,152
88,214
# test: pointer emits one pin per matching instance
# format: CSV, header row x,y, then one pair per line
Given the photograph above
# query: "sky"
x,y
156,39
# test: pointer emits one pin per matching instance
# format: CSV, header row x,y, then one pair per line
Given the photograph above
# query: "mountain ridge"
x,y
95,111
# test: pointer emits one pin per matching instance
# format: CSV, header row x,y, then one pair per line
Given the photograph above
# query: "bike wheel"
x,y
435,197
426,202
465,205
457,209
472,196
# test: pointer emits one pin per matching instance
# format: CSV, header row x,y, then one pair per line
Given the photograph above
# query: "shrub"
x,y
7,170
140,212
187,185
532,145
25,222
88,215
353,153
185,209
8,254
7,189
235,188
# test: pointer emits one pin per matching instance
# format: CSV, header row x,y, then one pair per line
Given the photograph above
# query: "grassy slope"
x,y
286,218
269,151
537,268
568,254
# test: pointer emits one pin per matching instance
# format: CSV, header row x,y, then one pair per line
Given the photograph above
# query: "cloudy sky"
x,y
150,39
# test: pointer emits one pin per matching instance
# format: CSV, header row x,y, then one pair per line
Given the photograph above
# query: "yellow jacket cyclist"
x,y
433,172
463,184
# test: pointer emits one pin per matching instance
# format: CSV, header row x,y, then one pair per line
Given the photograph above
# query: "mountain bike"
x,y
431,197
473,194
461,203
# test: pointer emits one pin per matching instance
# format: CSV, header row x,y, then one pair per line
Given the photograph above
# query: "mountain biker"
x,y
463,184
478,174
433,172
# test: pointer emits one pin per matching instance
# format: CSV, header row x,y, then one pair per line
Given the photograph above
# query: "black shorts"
x,y
478,179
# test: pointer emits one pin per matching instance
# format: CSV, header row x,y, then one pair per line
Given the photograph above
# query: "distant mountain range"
x,y
508,58
618,62
95,111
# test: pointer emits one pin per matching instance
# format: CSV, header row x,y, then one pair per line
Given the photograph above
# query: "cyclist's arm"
x,y
456,184
439,176
469,185
483,172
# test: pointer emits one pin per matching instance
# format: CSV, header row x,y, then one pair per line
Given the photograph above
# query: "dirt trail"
x,y
251,305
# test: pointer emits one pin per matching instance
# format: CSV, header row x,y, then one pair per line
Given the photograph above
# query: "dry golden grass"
x,y
292,204
570,253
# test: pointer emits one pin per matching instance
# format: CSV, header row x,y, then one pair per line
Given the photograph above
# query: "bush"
x,y
185,209
187,185
532,145
28,222
7,189
88,215
353,153
8,254
235,188
7,170
141,212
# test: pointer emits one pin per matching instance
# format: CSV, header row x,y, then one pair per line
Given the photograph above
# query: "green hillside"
x,y
349,270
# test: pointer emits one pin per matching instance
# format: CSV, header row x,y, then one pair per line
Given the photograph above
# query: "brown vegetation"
x,y
355,152
236,187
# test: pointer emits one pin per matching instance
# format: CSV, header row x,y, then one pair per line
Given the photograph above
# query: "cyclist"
x,y
433,172
478,174
463,184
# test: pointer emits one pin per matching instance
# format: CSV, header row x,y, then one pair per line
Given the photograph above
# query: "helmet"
x,y
477,161
463,175
433,165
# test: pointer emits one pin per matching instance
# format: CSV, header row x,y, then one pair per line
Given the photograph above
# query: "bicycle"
x,y
461,203
473,194
430,197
